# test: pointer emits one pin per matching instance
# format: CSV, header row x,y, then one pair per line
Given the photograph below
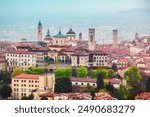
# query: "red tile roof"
x,y
20,52
143,96
104,96
26,76
2,60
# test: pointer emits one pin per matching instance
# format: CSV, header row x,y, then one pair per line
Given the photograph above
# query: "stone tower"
x,y
115,38
91,41
40,31
136,36
80,36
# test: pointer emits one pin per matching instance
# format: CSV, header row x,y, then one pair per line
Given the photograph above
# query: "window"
x,y
81,83
76,83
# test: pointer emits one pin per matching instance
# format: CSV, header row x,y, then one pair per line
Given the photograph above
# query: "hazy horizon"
x,y
19,19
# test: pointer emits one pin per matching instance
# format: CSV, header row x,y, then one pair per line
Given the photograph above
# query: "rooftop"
x,y
71,32
59,35
26,76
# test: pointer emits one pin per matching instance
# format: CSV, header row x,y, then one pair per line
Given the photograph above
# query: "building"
x,y
91,40
48,39
22,59
115,39
71,35
83,82
5,46
80,36
3,64
40,36
67,96
59,39
104,96
25,84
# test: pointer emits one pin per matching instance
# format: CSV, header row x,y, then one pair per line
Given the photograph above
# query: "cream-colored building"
x,y
59,39
22,59
25,84
3,64
71,35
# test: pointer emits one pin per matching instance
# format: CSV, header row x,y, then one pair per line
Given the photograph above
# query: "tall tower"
x,y
136,36
80,36
40,31
91,41
115,39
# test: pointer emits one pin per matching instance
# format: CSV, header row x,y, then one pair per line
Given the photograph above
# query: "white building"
x,y
21,59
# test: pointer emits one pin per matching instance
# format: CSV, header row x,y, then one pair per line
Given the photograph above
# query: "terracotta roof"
x,y
104,96
143,96
26,76
2,60
83,80
20,52
5,43
111,80
80,53
98,52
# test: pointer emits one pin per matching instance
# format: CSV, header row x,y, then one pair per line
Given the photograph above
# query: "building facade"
x,y
22,59
25,84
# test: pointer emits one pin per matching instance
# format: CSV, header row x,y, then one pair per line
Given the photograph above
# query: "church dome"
x,y
71,32
59,35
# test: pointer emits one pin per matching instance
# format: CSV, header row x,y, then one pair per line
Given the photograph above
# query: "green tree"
x,y
91,90
148,85
103,72
114,67
5,91
122,92
31,96
100,82
24,98
133,78
63,85
5,77
111,73
109,87
16,71
93,74
82,72
27,71
38,70
68,72
59,73
44,98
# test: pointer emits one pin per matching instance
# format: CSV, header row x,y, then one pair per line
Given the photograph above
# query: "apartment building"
x,y
22,59
25,84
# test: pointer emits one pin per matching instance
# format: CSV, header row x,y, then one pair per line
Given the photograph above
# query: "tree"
x,y
148,85
24,98
36,70
114,67
93,74
59,72
16,71
31,96
68,72
100,82
91,90
5,91
5,77
63,85
133,78
44,98
122,92
103,72
111,73
109,87
82,72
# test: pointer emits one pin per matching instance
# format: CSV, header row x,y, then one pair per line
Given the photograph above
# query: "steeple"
x,y
80,36
48,33
40,31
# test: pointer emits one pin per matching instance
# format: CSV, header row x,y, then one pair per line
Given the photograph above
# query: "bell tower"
x,y
39,31
91,41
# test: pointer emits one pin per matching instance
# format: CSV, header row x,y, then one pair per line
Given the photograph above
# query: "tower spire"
x,y
40,31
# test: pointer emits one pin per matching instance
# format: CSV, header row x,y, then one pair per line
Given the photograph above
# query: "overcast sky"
x,y
67,7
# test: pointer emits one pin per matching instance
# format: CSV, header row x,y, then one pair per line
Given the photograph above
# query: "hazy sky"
x,y
65,7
